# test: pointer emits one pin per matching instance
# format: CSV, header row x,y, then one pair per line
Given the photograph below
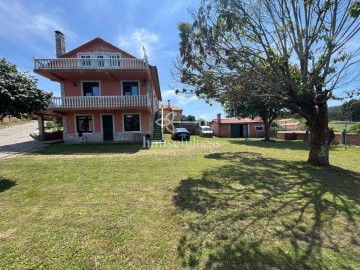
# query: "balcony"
x,y
77,64
101,102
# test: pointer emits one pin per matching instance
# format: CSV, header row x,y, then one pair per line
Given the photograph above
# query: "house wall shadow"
x,y
21,147
257,212
86,149
6,184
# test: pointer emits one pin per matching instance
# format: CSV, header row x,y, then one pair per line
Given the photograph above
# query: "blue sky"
x,y
27,30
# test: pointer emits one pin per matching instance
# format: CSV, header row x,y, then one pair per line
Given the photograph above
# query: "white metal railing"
x,y
78,102
90,63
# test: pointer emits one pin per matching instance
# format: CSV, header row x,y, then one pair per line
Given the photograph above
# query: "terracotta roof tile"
x,y
172,107
239,121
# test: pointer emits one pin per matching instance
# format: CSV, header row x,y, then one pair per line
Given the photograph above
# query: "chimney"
x,y
169,103
60,43
219,118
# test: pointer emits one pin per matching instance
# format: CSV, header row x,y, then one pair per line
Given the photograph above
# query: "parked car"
x,y
180,134
205,131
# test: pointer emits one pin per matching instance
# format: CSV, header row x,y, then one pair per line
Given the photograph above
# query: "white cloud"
x,y
140,38
203,116
177,99
20,24
178,6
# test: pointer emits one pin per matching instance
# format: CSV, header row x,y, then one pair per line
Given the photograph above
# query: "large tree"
x,y
19,94
305,43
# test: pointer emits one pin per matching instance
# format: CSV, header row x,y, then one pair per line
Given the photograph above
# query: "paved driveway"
x,y
16,140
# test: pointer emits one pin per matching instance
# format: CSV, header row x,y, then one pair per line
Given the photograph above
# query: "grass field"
x,y
211,204
340,127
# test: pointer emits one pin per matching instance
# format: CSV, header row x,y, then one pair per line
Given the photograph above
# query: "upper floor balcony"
x,y
81,64
99,102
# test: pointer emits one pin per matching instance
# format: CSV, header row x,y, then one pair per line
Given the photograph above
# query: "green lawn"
x,y
211,204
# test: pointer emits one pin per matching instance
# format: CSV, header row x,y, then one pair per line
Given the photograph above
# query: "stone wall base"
x,y
129,137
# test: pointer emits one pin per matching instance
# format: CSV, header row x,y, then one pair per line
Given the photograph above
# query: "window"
x,y
114,60
132,122
84,124
259,128
86,61
130,88
101,60
91,89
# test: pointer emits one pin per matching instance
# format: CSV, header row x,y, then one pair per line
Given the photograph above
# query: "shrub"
x,y
355,128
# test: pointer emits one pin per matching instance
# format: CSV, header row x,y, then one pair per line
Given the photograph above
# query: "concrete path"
x,y
15,140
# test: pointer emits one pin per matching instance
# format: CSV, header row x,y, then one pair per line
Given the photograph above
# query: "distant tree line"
x,y
187,118
348,111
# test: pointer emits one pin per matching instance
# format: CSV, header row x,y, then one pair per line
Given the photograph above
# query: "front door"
x,y
235,130
245,131
108,130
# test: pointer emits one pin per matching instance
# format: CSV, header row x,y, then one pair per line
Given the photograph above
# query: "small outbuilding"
x,y
238,127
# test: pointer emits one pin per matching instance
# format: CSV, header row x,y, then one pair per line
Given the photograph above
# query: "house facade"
x,y
106,93
167,109
238,128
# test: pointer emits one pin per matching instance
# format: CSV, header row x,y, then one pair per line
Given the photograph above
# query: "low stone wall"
x,y
129,137
50,136
352,138
291,135
86,137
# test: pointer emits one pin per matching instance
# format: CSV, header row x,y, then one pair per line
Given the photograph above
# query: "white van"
x,y
205,131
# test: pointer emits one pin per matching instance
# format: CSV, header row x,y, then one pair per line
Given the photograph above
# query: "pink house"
x,y
238,128
106,93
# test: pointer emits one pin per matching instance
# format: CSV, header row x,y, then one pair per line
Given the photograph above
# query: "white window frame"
x,y
114,58
108,59
93,122
123,122
86,81
262,128
122,88
84,59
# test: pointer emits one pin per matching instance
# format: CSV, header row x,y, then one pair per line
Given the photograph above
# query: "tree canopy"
x,y
187,118
299,49
351,110
19,94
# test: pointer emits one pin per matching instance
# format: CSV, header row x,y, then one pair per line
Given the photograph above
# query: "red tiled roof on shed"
x,y
239,121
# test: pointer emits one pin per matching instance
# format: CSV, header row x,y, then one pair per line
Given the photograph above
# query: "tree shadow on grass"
x,y
262,213
6,184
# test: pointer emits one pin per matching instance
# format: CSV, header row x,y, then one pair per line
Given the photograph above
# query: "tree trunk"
x,y
320,138
267,129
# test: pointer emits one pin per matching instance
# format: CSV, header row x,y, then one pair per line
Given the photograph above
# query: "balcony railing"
x,y
90,64
80,102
